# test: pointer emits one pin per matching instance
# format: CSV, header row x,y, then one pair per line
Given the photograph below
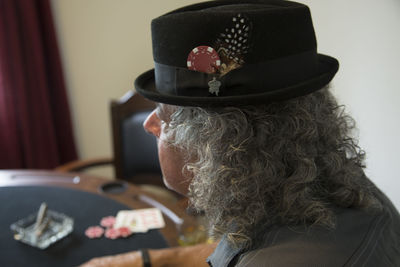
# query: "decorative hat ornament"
x,y
233,53
233,43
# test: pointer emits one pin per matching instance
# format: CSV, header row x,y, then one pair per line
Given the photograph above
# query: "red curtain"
x,y
35,124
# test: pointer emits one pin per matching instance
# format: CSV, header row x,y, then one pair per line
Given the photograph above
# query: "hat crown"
x,y
278,29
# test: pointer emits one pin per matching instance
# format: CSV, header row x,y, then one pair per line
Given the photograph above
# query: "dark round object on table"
x,y
87,209
113,188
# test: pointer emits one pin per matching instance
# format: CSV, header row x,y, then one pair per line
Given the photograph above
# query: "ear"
x,y
152,124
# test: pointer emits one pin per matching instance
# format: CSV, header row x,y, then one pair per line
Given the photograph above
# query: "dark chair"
x,y
135,151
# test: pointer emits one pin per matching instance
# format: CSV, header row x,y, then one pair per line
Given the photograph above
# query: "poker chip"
x,y
124,231
112,233
203,59
108,222
94,232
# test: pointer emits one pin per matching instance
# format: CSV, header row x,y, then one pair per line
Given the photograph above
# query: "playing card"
x,y
151,218
140,221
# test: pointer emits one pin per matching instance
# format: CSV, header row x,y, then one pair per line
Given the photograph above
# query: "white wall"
x,y
105,44
365,36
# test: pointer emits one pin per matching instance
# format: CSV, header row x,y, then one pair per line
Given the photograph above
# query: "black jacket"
x,y
359,239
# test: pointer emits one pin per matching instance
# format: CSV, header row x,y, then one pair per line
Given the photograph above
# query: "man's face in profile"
x,y
171,158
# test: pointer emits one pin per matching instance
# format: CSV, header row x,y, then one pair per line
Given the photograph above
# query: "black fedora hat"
x,y
231,53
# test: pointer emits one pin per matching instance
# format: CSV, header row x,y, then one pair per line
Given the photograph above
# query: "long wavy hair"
x,y
285,163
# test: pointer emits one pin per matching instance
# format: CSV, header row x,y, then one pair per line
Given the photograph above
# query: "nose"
x,y
152,124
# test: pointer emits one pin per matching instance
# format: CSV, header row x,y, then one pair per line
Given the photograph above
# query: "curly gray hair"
x,y
284,163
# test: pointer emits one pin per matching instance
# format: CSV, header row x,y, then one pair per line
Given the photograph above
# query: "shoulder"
x,y
360,239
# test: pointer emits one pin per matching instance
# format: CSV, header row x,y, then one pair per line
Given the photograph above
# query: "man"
x,y
248,129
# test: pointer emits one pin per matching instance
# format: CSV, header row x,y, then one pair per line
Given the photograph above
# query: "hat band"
x,y
248,79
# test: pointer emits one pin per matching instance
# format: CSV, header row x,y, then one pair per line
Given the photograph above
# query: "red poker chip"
x,y
107,222
94,232
112,233
203,59
124,231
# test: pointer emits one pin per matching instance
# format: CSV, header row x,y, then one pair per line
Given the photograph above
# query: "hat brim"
x,y
327,68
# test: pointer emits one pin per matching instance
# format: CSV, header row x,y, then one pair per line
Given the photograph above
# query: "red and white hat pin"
x,y
205,59
231,45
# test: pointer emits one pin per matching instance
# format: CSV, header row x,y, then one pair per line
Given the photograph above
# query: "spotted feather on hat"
x,y
233,43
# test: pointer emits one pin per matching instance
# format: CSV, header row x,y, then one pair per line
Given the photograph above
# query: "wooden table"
x,y
130,196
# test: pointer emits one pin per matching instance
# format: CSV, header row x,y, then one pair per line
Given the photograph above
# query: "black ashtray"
x,y
113,188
